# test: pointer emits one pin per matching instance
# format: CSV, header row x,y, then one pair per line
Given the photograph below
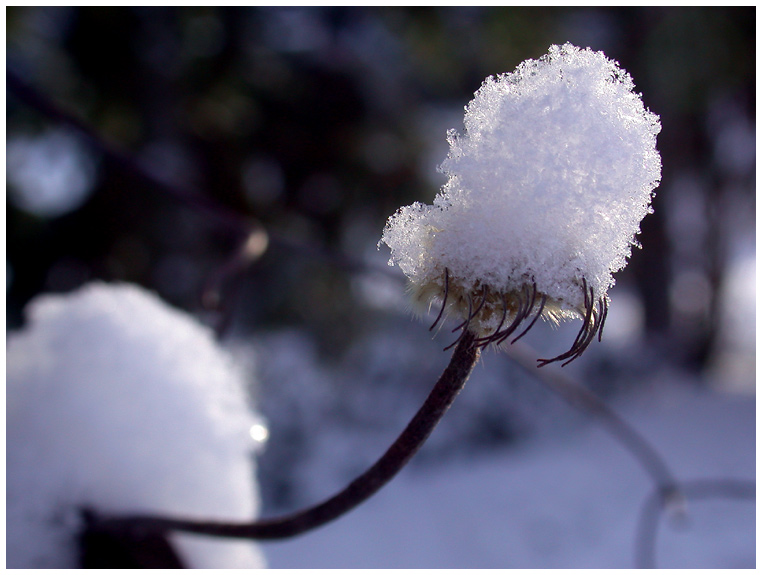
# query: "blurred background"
x,y
312,126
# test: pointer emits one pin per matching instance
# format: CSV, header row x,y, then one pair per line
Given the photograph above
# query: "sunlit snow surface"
x,y
569,502
118,402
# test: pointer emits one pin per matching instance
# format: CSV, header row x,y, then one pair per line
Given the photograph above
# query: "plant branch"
x,y
697,489
391,462
246,227
623,432
25,93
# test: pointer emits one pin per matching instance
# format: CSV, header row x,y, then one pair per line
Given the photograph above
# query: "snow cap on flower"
x,y
119,403
545,193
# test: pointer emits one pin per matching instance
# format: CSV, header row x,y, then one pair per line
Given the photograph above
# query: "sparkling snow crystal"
x,y
119,403
545,193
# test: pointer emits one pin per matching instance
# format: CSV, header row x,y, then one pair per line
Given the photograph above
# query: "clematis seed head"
x,y
545,192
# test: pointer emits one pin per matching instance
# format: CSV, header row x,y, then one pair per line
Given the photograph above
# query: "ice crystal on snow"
x,y
546,190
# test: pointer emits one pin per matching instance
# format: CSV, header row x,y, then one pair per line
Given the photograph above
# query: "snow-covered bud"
x,y
545,193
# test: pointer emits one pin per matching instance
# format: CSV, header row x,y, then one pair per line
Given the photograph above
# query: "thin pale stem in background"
x,y
697,489
628,436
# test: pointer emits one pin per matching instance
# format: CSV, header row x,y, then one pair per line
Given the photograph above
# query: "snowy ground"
x,y
92,364
563,499
570,502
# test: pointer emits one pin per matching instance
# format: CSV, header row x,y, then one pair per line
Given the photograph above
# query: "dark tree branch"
x,y
45,106
396,457
231,220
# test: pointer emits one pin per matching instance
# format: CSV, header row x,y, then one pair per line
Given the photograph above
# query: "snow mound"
x,y
117,402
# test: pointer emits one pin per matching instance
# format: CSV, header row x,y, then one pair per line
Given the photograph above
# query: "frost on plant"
x,y
545,193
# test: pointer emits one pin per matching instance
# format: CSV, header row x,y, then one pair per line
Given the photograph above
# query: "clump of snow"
x,y
547,186
119,403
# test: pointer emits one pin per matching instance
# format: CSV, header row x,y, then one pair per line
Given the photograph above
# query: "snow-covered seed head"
x,y
546,190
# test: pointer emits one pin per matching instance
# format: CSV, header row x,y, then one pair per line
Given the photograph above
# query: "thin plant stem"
x,y
230,220
697,489
443,394
27,94
628,436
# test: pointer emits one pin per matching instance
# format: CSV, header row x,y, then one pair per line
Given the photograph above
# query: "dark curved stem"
x,y
396,457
